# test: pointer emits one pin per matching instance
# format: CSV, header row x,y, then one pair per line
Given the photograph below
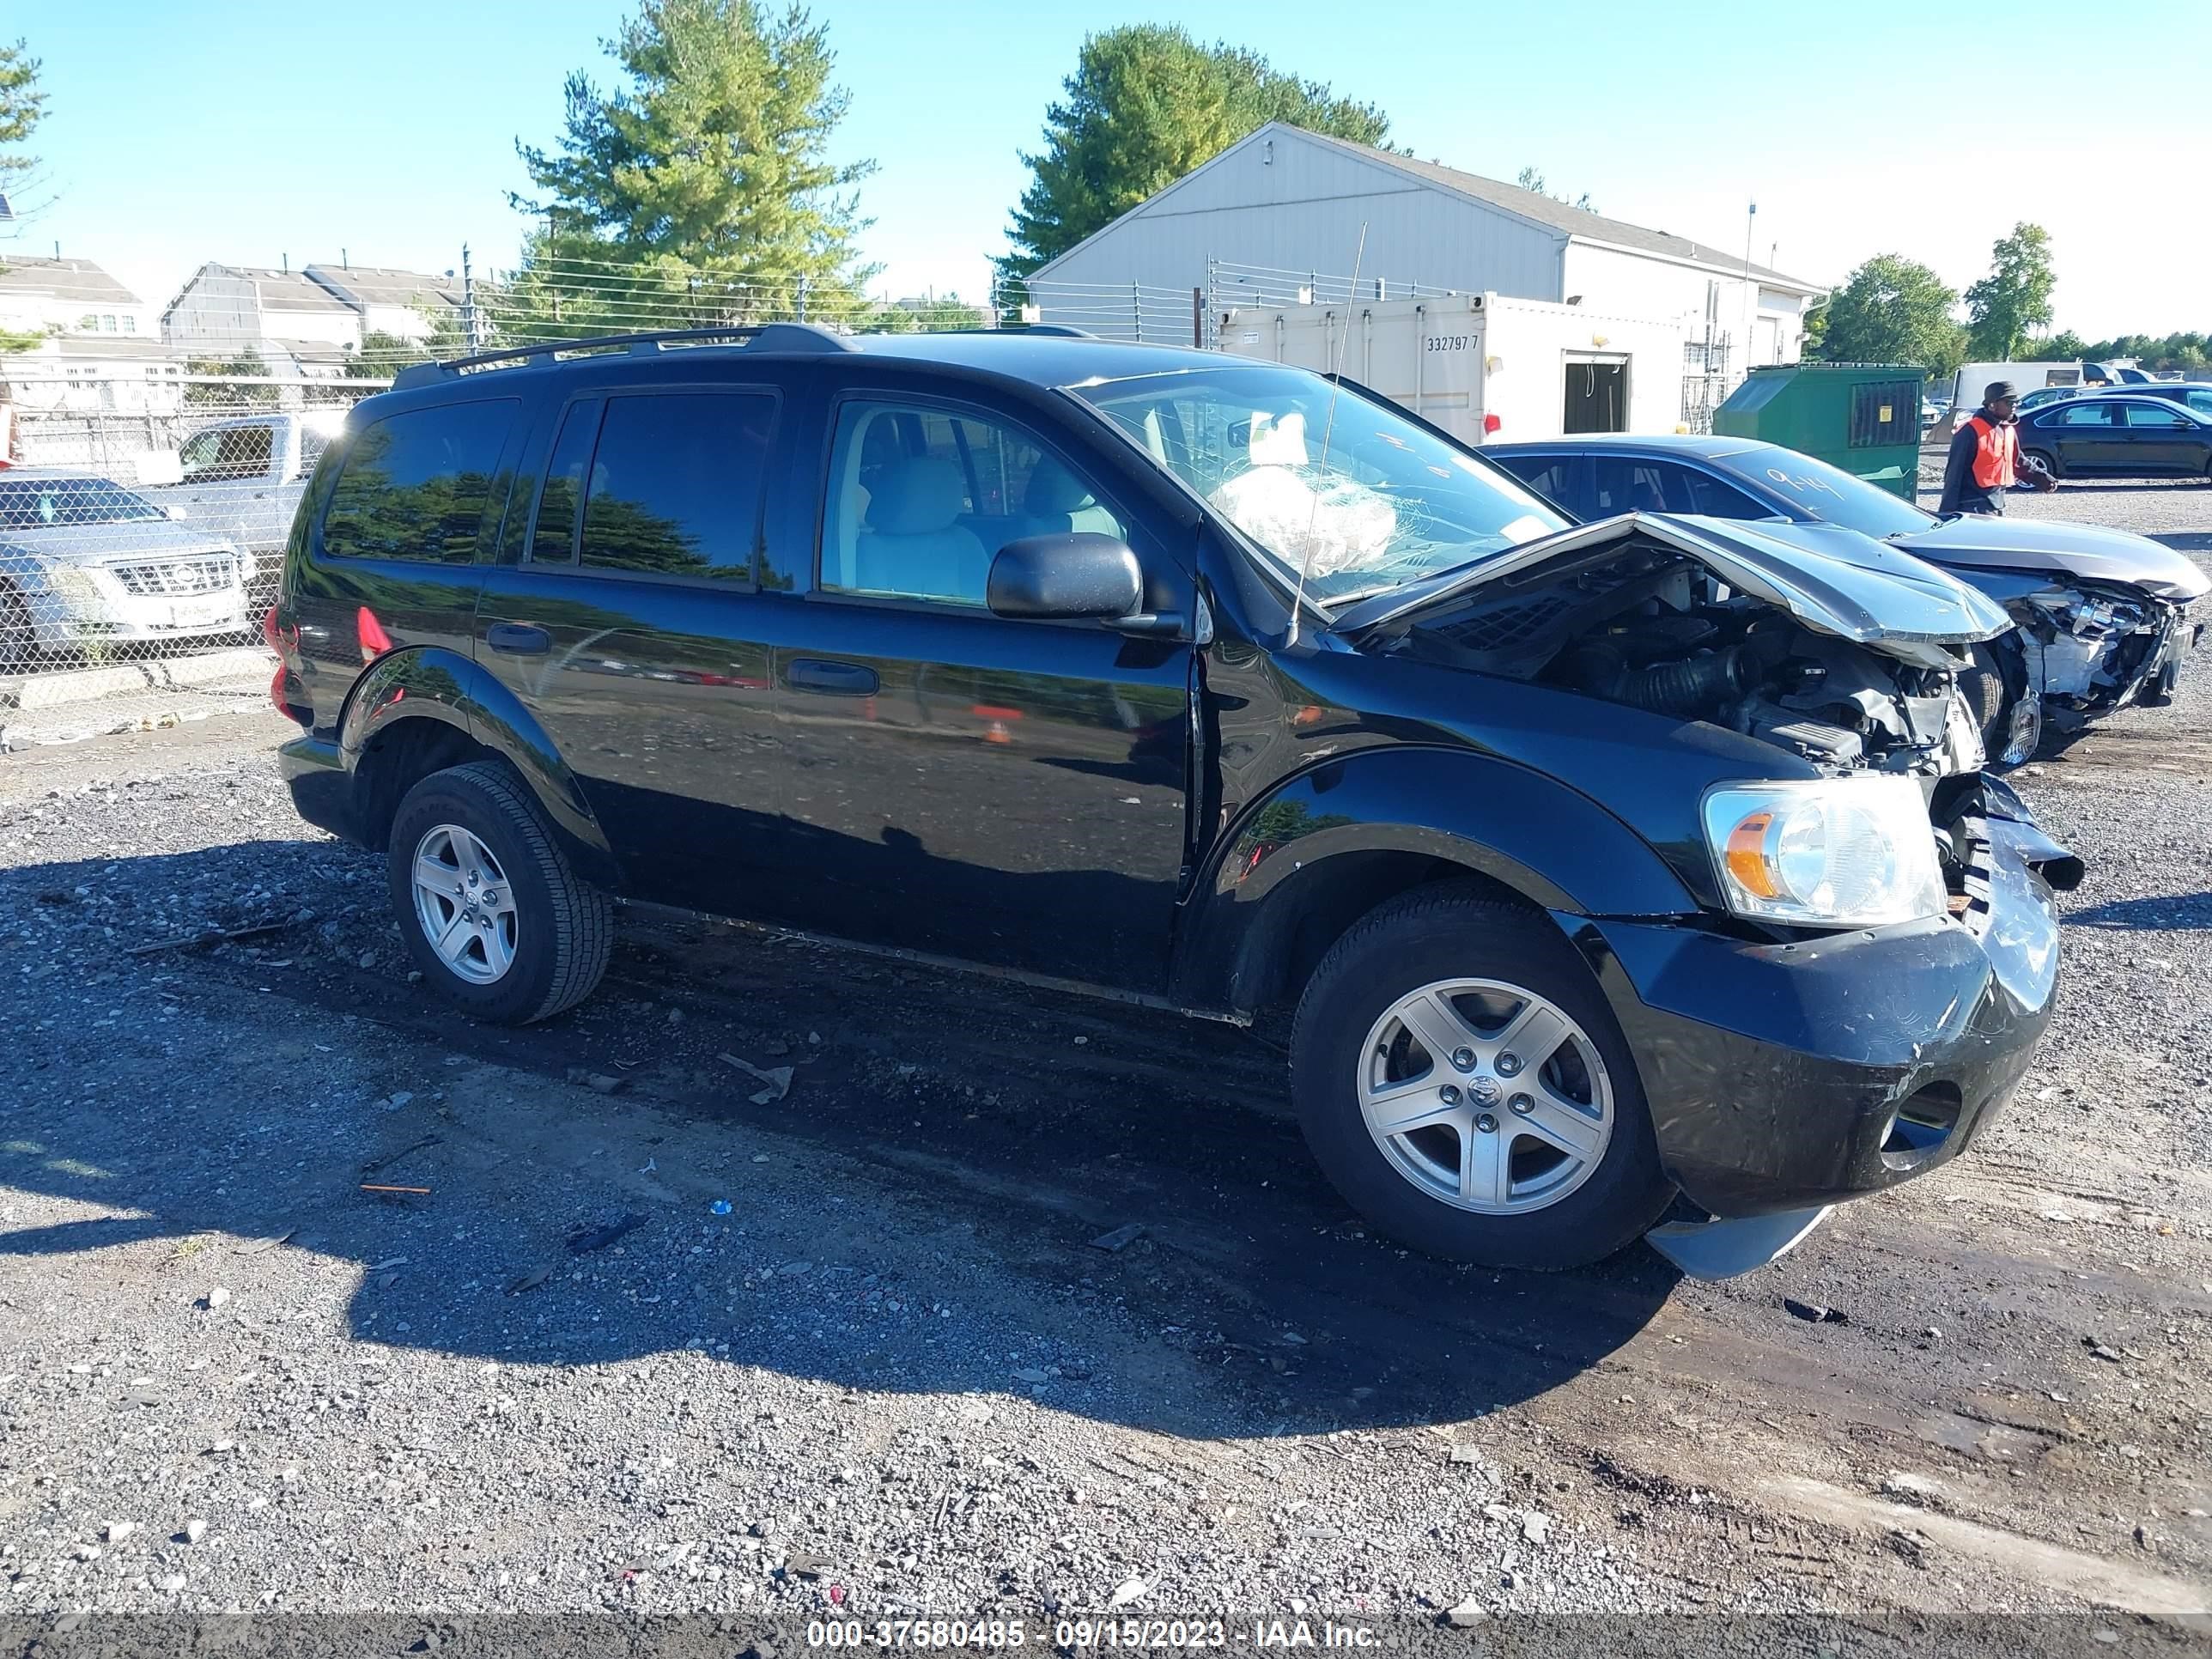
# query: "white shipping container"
x,y
1481,366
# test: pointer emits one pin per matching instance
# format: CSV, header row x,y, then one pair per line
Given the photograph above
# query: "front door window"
x,y
921,500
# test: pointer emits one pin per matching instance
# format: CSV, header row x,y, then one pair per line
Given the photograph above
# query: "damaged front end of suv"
x,y
1811,638
1888,951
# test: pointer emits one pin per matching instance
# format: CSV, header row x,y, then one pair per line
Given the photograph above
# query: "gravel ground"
x,y
898,1377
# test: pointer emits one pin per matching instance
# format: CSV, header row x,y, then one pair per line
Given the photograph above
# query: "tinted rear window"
x,y
675,484
414,485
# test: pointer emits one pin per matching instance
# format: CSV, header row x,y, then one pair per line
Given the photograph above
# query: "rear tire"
x,y
550,943
1350,1038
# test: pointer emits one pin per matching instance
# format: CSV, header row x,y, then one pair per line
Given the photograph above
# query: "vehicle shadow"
x,y
2167,912
920,1206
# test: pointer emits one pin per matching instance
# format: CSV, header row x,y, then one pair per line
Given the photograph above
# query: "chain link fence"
x,y
143,525
1145,314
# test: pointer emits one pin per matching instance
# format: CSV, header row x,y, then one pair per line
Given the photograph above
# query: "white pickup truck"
x,y
242,478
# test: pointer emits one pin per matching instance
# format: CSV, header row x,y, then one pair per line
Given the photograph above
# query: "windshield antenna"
x,y
1328,427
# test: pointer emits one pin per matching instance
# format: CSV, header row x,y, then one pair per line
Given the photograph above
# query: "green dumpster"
x,y
1862,417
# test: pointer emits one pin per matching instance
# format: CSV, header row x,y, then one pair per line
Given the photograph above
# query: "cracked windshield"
x,y
1360,497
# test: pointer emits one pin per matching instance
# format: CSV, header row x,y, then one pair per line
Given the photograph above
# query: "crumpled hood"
x,y
2086,552
1832,580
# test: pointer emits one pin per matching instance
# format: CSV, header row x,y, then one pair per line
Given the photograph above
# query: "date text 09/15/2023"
x,y
1084,1634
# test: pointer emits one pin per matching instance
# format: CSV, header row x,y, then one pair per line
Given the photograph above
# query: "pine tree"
x,y
699,192
1146,105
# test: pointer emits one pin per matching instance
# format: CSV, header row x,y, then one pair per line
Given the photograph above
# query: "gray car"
x,y
85,563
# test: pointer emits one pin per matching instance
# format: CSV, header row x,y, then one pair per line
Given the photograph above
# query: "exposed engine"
x,y
1654,629
2090,648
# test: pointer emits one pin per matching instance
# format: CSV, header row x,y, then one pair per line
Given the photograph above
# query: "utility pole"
x,y
1750,289
469,330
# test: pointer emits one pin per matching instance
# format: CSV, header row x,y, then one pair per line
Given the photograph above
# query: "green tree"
x,y
383,354
2189,353
1146,105
22,107
248,363
699,192
1893,310
2014,300
926,315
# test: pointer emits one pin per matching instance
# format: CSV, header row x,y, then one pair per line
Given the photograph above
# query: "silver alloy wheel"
x,y
1485,1096
464,904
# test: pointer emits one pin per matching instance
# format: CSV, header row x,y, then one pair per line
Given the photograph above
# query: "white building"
x,y
102,346
391,301
72,297
1286,201
294,325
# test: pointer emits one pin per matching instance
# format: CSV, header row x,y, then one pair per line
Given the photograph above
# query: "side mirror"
x,y
1075,575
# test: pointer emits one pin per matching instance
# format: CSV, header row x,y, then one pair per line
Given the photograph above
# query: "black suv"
x,y
1611,871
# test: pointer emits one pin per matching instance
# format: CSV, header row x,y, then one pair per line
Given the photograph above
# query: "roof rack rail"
x,y
753,337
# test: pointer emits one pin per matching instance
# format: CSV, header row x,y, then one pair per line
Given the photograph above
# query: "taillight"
x,y
269,637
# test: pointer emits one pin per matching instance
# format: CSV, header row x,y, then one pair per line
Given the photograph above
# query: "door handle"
x,y
518,639
839,679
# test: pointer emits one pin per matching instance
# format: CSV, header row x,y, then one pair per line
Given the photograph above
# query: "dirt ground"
x,y
649,1344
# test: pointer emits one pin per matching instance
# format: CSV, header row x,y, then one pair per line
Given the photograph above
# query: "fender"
x,y
1531,833
432,683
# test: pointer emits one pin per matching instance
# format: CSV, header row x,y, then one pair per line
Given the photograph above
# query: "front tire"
x,y
1463,1084
499,924
1989,698
19,636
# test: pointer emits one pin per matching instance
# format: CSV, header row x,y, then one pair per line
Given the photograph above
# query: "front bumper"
x,y
2084,675
74,605
1787,1077
2184,632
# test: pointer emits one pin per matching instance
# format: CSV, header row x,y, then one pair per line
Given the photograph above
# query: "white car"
x,y
84,561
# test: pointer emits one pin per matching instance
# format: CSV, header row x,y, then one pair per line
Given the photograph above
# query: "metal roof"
x,y
310,351
1578,222
1531,206
136,346
359,286
78,280
286,290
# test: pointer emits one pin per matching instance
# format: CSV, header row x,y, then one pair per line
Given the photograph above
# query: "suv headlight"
x,y
1825,853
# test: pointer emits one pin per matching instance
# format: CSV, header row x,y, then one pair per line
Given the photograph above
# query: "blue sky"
x,y
255,130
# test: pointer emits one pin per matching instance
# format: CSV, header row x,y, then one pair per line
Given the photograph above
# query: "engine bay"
x,y
1650,627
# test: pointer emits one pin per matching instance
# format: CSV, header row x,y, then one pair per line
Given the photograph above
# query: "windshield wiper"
x,y
1338,602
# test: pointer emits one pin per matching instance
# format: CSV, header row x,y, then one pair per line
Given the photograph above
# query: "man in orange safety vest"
x,y
1985,459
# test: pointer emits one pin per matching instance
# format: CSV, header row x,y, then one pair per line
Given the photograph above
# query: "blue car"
x,y
2102,618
